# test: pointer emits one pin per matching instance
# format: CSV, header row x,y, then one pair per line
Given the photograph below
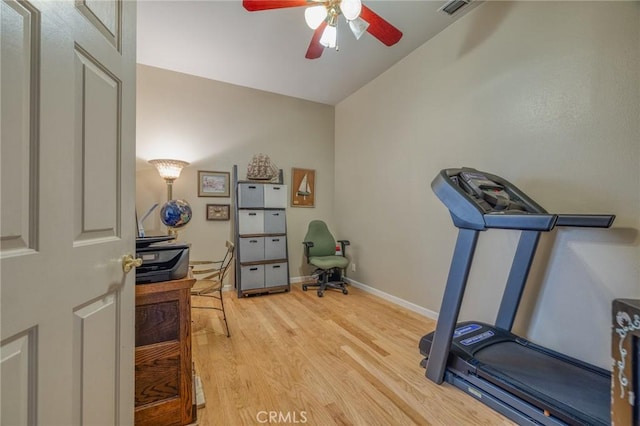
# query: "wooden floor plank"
x,y
335,360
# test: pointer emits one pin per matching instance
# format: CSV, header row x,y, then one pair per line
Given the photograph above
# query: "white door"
x,y
67,212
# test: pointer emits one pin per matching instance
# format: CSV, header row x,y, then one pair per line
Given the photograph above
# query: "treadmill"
x,y
526,382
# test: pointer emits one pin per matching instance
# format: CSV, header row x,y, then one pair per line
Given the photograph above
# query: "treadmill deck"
x,y
580,393
568,389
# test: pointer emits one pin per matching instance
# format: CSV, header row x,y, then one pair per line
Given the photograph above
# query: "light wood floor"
x,y
336,360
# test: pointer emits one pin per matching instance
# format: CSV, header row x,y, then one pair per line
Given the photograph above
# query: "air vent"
x,y
454,6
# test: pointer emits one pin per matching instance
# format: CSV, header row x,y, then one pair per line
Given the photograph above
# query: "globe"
x,y
175,213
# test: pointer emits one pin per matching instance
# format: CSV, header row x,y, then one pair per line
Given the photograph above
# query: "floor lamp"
x,y
170,170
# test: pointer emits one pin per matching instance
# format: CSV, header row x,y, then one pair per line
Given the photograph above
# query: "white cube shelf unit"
x,y
262,257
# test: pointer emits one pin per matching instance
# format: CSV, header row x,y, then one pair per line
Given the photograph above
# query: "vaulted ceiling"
x,y
265,50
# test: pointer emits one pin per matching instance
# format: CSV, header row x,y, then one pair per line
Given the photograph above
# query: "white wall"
x,y
215,125
545,94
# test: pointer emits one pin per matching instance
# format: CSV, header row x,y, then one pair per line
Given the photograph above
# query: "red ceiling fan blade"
x,y
255,5
379,28
315,48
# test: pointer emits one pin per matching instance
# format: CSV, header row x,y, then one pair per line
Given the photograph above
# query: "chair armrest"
x,y
343,244
307,246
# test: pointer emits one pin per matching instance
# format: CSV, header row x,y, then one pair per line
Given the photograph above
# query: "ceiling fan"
x,y
322,16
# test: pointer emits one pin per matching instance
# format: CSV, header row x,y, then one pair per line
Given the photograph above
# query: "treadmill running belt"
x,y
582,394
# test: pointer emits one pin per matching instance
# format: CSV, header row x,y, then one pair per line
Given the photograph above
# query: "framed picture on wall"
x,y
217,211
303,187
213,184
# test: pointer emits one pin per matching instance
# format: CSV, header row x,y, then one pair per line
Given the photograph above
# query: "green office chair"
x,y
320,251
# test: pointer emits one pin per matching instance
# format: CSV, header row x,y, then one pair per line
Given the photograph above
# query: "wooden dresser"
x,y
163,366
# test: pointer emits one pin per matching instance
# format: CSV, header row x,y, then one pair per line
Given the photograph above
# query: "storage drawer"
x,y
275,196
250,195
251,249
251,222
276,274
275,247
252,277
274,222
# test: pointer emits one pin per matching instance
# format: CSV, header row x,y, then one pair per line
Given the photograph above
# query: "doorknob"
x,y
129,262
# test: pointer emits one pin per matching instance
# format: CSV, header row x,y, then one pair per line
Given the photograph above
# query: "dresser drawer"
x,y
275,196
274,222
252,277
251,249
275,247
251,222
275,274
250,195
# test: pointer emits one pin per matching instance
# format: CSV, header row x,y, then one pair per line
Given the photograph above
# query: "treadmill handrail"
x,y
523,221
586,220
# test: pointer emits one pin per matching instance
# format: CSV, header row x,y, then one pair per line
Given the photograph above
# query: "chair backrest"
x,y
226,261
323,242
217,273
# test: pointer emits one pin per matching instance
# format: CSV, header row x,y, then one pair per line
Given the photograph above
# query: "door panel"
x,y
106,16
97,181
19,128
18,386
67,144
96,360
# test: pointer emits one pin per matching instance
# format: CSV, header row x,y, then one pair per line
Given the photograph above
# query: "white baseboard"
x,y
386,296
296,280
394,299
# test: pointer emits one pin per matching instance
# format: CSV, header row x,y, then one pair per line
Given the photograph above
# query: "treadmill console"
x,y
480,200
490,195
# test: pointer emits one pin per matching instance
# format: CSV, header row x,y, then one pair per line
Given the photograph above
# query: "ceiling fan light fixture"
x,y
322,16
329,37
358,27
314,16
351,9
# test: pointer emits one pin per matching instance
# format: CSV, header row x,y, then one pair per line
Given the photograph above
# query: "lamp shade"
x,y
314,16
329,37
169,169
351,9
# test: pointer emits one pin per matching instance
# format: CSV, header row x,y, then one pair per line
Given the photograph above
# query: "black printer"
x,y
161,260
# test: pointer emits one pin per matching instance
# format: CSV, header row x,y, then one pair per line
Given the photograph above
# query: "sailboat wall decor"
x,y
303,186
304,189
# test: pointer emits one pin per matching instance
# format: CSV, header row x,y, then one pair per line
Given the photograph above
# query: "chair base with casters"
x,y
320,252
210,285
323,277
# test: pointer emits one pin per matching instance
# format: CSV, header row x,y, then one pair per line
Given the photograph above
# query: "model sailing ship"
x,y
262,168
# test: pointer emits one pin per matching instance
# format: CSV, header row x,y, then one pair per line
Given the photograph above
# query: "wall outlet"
x,y
353,267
